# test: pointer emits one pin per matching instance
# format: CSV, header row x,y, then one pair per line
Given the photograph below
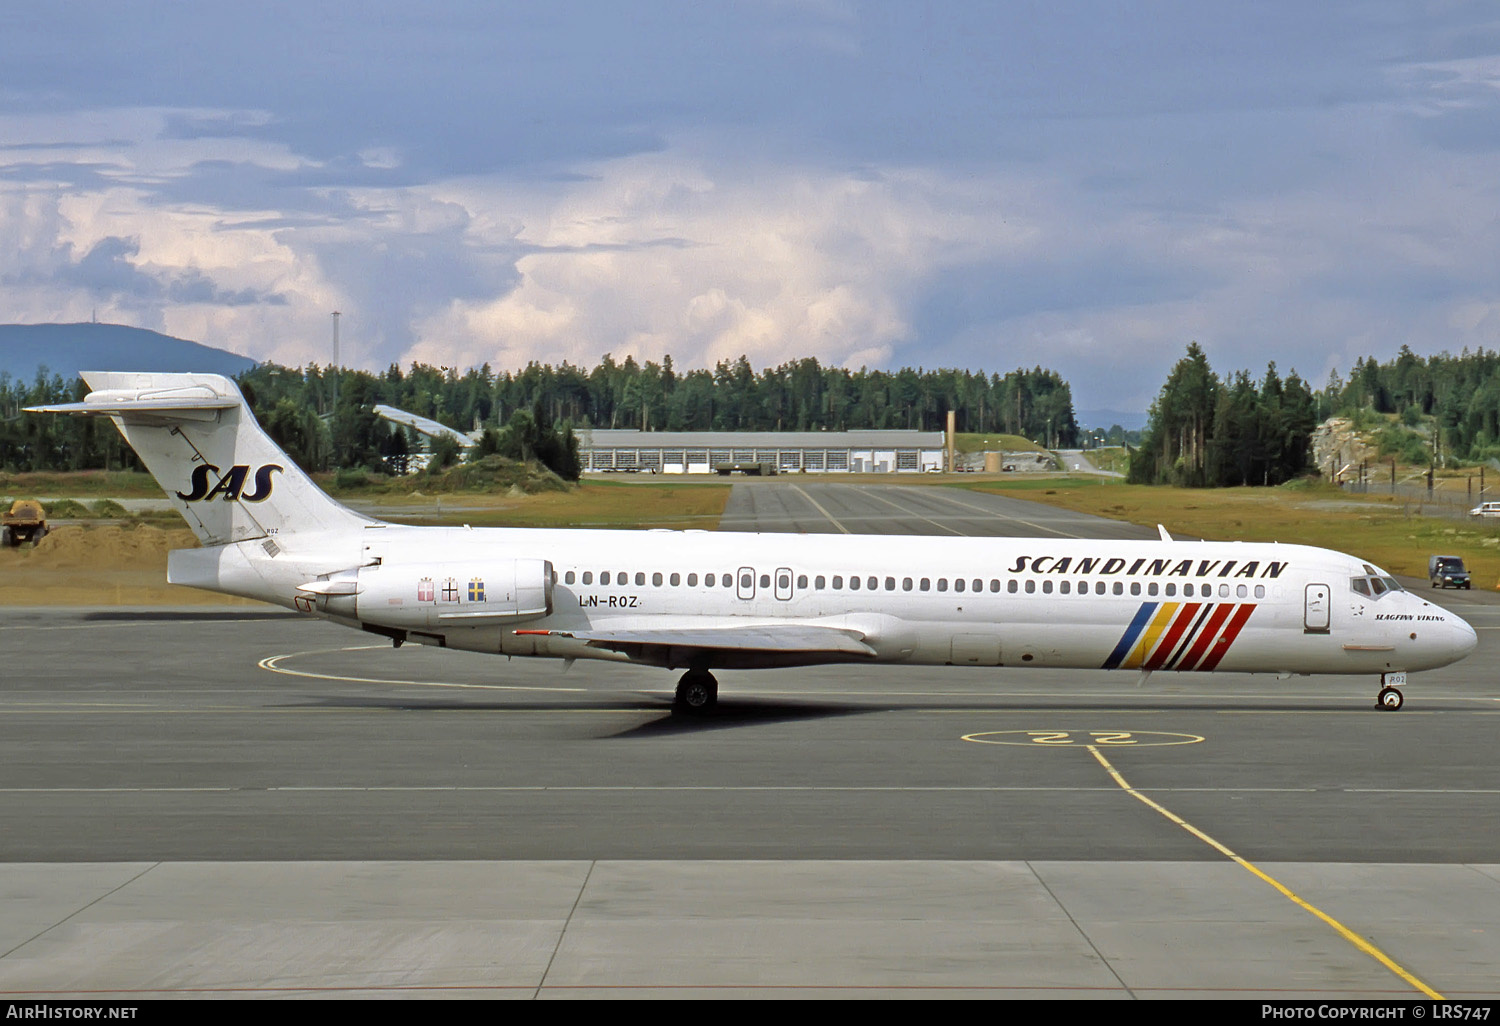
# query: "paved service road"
x,y
248,802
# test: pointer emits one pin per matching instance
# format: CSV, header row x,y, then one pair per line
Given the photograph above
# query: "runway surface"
x,y
246,803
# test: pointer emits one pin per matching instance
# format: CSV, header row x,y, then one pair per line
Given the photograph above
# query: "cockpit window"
x,y
1375,585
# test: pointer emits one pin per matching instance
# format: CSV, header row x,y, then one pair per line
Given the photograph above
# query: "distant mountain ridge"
x,y
66,349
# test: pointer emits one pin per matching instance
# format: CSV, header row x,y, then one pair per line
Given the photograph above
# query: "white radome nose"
x,y
1464,638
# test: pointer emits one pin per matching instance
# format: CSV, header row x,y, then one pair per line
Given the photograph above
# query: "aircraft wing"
x,y
422,425
768,638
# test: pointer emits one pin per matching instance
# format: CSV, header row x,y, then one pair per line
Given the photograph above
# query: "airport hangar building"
x,y
790,452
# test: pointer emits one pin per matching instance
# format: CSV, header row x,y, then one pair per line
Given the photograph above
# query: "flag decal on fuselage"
x,y
1179,635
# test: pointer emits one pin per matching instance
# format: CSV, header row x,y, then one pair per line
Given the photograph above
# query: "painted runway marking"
x,y
866,490
818,506
1001,516
1338,927
271,663
129,623
1065,738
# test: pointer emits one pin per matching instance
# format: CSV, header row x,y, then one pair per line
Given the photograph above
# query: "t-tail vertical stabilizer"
x,y
200,441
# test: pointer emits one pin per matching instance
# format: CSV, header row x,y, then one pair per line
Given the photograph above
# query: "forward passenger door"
x,y
1316,609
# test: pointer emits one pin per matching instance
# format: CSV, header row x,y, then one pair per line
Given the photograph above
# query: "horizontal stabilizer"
x,y
158,403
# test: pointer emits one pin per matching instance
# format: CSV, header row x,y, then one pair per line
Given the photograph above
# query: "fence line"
x,y
1447,497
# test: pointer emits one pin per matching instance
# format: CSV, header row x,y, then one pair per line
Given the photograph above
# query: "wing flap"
x,y
773,638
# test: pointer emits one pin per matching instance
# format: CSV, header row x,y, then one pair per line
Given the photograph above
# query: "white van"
x,y
1486,509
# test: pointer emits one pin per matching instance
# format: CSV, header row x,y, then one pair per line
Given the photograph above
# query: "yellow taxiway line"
x,y
1342,930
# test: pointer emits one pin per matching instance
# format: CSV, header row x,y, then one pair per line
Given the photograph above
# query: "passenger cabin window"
x,y
838,583
958,585
604,577
942,584
819,582
692,580
925,584
588,577
640,578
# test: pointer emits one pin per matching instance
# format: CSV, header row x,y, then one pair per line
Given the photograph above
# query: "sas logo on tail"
x,y
230,486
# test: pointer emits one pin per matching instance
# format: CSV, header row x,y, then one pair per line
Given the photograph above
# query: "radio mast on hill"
x,y
335,359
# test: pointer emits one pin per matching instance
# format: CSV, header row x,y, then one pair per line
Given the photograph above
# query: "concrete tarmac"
x,y
248,803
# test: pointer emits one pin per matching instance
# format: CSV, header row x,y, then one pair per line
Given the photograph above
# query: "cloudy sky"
x,y
1085,186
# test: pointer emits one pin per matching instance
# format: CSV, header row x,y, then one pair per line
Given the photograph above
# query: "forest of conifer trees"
x,y
1204,430
324,419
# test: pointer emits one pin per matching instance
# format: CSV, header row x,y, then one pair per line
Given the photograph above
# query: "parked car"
x,y
1486,509
1447,572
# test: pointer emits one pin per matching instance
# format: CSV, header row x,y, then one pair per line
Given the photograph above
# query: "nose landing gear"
x,y
1390,698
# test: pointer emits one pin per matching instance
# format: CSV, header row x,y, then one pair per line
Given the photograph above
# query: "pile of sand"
x,y
107,548
99,566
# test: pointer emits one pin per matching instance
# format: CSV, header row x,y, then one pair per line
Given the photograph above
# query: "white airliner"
x,y
702,601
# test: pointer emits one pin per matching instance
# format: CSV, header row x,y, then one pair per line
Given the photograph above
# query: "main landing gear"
x,y
697,692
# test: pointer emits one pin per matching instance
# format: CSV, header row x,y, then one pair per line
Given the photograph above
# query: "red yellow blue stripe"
x,y
1179,636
